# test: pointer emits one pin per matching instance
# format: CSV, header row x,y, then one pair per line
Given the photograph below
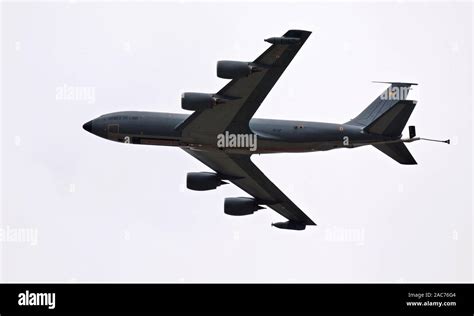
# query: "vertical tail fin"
x,y
397,91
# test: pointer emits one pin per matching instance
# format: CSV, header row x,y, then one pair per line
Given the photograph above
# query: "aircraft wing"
x,y
241,171
244,95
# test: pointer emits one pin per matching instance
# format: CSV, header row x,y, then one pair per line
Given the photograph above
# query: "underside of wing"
x,y
230,111
233,106
241,171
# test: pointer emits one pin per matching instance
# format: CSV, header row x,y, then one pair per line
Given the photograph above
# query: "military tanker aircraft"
x,y
222,133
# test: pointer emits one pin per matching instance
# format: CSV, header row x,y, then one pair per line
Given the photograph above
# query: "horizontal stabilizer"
x,y
397,83
398,152
392,122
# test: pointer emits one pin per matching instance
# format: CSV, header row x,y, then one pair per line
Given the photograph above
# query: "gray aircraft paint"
x,y
274,136
230,111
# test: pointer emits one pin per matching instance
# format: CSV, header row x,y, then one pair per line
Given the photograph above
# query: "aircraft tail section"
x,y
387,115
397,151
393,121
397,91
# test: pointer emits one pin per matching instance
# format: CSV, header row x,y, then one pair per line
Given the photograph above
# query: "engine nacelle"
x,y
240,206
203,181
194,101
283,40
290,225
228,69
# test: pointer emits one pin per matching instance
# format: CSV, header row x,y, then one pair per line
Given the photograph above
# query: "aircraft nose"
x,y
88,126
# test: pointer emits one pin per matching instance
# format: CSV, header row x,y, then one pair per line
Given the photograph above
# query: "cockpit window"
x,y
113,128
118,117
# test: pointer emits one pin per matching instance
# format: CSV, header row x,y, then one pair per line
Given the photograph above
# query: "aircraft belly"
x,y
266,146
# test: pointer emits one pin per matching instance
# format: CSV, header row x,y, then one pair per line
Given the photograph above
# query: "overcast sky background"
x,y
110,212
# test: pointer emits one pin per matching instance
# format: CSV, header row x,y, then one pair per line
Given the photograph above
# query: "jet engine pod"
x,y
283,40
290,225
228,69
194,101
203,181
240,206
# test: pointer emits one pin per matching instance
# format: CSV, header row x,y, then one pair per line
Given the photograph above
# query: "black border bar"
x,y
243,298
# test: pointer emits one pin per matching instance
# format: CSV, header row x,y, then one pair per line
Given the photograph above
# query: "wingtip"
x,y
310,222
297,33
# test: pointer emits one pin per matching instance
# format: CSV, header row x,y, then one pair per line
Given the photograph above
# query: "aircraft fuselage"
x,y
270,136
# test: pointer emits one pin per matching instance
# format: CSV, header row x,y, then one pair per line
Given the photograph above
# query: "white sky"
x,y
110,212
